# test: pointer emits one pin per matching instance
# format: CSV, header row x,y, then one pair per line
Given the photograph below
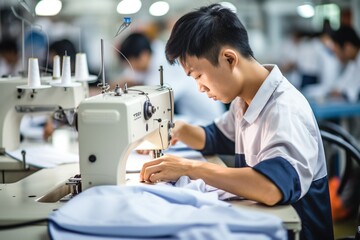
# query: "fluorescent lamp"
x,y
159,8
48,7
128,6
306,10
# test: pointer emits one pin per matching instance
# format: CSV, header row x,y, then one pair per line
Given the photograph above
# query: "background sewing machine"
x,y
17,102
111,125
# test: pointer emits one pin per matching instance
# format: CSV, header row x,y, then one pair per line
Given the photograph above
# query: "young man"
x,y
270,126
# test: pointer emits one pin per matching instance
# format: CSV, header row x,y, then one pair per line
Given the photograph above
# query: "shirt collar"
x,y
264,93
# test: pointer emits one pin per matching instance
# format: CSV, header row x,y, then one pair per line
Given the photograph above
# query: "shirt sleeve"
x,y
216,142
289,154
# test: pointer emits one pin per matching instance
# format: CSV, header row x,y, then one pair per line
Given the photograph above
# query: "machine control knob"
x,y
149,110
118,91
171,125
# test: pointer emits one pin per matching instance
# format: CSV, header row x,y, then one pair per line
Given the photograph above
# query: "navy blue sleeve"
x,y
283,175
216,142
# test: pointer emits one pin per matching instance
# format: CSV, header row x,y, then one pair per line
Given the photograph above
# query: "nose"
x,y
202,88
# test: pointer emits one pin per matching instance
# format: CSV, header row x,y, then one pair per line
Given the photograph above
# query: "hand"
x,y
166,168
176,132
336,94
143,152
48,129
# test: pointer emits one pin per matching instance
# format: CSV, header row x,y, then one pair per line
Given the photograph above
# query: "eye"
x,y
199,76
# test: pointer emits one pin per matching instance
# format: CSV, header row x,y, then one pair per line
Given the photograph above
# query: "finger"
x,y
143,152
173,141
155,178
148,171
148,164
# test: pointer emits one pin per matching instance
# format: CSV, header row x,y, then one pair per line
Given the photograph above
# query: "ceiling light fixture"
x,y
128,6
48,7
159,8
306,10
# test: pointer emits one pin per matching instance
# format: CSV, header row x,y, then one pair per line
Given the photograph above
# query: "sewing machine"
x,y
111,125
16,102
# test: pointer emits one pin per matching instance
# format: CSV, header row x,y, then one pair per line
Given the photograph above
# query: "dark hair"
x,y
8,45
345,34
203,32
134,45
64,45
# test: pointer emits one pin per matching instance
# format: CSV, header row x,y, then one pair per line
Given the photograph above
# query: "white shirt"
x,y
278,123
349,81
278,137
328,67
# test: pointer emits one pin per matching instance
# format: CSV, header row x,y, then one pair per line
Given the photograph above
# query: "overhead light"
x,y
229,6
159,8
306,10
48,7
128,6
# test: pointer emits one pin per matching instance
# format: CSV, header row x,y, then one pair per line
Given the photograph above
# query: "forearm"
x,y
193,136
244,182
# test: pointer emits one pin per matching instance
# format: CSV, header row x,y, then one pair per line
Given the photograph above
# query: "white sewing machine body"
x,y
111,126
27,101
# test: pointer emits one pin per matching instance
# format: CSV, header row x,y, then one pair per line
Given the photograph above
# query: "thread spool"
x,y
33,80
81,67
33,73
56,67
66,71
66,80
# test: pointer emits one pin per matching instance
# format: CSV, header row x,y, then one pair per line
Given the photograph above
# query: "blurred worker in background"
x,y
143,68
9,58
346,45
327,65
309,63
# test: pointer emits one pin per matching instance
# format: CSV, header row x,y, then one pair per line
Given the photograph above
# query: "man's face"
x,y
218,82
339,52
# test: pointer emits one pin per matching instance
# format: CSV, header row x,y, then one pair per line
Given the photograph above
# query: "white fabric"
x,y
278,123
123,212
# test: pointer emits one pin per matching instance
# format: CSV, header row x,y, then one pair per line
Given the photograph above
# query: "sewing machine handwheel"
x,y
149,109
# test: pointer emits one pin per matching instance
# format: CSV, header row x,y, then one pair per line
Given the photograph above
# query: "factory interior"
x,y
133,119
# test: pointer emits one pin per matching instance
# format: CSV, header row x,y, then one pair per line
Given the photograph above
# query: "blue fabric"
x,y
240,161
158,211
313,208
283,175
216,142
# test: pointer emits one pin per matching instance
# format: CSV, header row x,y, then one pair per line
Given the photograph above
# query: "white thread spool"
x,y
66,71
56,67
33,73
81,67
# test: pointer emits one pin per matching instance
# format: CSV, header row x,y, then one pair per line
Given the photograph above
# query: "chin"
x,y
226,101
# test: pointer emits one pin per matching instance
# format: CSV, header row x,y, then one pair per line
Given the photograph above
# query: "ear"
x,y
231,57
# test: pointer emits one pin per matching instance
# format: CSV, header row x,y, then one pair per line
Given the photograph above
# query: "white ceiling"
x,y
108,7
